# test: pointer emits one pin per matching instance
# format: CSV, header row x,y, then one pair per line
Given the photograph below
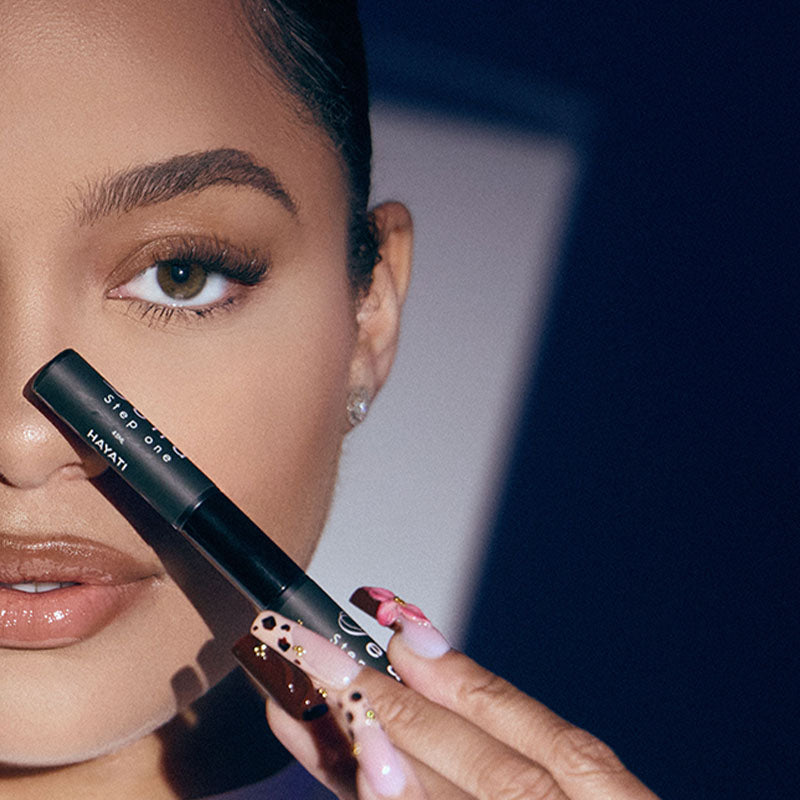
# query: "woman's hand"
x,y
451,730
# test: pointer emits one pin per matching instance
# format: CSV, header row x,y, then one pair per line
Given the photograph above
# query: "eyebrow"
x,y
180,175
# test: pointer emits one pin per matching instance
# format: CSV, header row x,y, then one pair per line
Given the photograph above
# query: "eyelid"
x,y
243,269
244,265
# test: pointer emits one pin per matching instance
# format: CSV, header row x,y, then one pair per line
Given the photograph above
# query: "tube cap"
x,y
132,446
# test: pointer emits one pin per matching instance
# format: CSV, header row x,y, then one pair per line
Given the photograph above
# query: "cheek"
x,y
284,431
264,417
263,413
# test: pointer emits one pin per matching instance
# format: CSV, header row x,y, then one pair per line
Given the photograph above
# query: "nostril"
x,y
33,452
89,465
76,471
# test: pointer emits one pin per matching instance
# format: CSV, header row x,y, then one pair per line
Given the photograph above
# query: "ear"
x,y
378,315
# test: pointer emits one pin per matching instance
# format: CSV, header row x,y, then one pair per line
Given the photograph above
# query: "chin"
x,y
45,724
38,751
59,711
72,704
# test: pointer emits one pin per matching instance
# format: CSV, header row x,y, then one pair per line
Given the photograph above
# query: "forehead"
x,y
152,49
87,87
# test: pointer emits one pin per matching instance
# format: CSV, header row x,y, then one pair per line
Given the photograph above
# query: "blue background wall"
x,y
647,536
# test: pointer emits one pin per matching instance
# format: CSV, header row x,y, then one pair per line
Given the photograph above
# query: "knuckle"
x,y
509,779
400,712
482,695
578,752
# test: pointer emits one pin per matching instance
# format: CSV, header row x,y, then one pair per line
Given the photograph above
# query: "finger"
x,y
382,770
358,719
583,765
326,753
299,716
436,785
454,747
365,758
380,765
411,789
320,746
450,745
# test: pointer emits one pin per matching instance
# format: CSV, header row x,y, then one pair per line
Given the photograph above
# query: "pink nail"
x,y
424,639
313,653
376,755
412,625
380,761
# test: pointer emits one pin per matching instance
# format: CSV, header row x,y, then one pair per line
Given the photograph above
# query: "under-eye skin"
x,y
188,278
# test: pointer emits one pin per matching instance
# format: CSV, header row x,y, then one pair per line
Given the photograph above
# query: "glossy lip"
x,y
109,582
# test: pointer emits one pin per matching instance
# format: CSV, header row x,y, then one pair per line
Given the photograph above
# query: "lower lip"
x,y
63,616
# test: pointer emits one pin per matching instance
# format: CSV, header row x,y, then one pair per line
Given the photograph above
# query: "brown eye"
x,y
180,280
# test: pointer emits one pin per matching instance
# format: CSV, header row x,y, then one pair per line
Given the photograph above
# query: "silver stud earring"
x,y
357,406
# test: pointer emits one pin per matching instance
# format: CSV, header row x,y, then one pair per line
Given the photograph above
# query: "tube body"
x,y
186,498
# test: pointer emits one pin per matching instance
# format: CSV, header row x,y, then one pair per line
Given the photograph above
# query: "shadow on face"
x,y
253,388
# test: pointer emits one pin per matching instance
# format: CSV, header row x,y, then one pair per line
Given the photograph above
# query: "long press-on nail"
x,y
376,755
313,653
287,684
408,620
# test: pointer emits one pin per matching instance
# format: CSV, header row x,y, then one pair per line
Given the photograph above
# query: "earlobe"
x,y
378,315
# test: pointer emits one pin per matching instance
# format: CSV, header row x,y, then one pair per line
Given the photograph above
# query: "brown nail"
x,y
363,600
289,686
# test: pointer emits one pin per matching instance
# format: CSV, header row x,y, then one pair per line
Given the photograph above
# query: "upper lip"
x,y
66,559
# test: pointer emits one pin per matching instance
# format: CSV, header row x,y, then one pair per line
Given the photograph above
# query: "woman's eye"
x,y
188,278
176,283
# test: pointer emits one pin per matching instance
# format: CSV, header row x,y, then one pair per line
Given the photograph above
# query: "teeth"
x,y
37,587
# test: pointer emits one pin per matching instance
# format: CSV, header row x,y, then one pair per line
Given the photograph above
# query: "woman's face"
x,y
105,105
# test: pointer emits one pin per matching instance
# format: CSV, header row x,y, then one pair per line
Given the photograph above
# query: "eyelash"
x,y
214,257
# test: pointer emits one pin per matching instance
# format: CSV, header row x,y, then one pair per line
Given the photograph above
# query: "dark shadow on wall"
x,y
643,570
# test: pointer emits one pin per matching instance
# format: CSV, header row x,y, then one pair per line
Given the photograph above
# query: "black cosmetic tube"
x,y
186,498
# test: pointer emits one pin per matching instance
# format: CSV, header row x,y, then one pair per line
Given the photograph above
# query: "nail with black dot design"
x,y
323,661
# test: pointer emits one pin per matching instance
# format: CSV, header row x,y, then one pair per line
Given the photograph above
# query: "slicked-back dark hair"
x,y
316,50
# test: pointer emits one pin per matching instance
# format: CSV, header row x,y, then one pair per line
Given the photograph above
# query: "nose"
x,y
33,450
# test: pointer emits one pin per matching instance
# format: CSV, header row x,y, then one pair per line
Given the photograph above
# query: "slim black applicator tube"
x,y
185,497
